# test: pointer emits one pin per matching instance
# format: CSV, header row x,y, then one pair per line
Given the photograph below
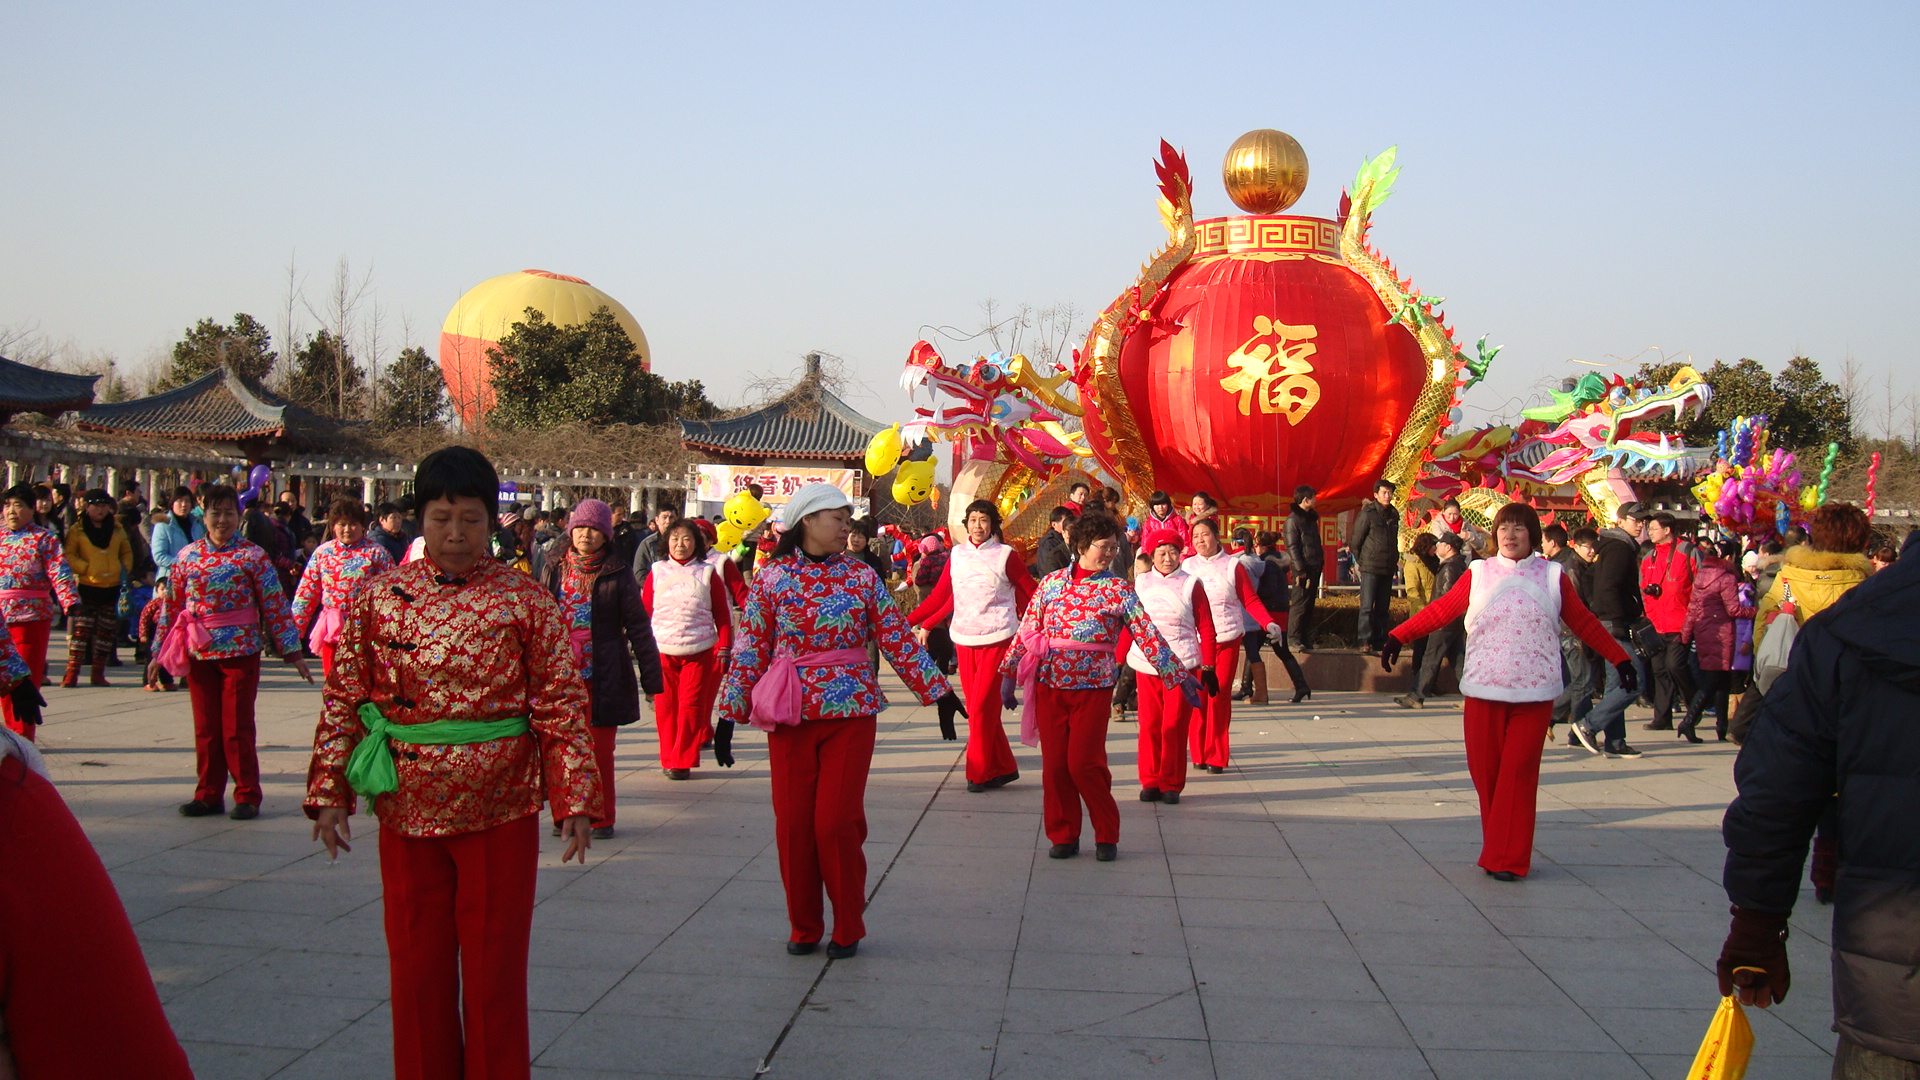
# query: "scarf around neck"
x,y
101,535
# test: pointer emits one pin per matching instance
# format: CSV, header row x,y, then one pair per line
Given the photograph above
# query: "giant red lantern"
x,y
1253,356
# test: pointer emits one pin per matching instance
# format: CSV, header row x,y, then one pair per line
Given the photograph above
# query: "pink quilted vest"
x,y
1513,630
1168,599
983,608
683,607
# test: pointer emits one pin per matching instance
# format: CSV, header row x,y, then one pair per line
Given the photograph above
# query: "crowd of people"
x,y
479,662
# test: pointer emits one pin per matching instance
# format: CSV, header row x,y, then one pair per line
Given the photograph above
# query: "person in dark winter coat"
x,y
1838,720
1375,543
1449,643
1308,559
1614,577
617,634
1713,609
1053,553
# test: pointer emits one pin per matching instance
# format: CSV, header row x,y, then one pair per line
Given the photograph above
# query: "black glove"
x,y
1389,653
950,706
26,701
723,744
1008,699
1755,957
1210,682
1629,676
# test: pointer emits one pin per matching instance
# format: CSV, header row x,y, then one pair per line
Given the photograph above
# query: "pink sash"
x,y
24,594
1037,646
189,632
581,638
326,628
776,698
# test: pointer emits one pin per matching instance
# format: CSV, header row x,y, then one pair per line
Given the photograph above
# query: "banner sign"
x,y
718,483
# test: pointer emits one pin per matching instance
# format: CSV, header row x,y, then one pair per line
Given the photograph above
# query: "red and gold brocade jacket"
x,y
490,646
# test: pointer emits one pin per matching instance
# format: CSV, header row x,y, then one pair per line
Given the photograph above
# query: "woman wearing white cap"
x,y
800,674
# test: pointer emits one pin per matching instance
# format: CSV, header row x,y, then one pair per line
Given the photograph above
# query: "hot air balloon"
x,y
480,317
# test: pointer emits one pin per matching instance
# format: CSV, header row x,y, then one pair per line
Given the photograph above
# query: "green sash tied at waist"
x,y
370,768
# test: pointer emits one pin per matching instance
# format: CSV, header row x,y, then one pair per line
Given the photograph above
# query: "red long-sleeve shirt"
x,y
1454,605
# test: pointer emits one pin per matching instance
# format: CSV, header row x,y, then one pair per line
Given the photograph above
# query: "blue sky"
x,y
754,181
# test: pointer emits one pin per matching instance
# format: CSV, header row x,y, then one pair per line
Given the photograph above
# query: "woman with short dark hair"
x,y
1064,656
335,571
685,595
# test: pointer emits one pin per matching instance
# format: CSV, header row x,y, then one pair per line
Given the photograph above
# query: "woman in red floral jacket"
x,y
800,674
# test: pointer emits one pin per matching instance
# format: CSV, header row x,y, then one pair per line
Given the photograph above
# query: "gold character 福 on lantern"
x,y
1276,374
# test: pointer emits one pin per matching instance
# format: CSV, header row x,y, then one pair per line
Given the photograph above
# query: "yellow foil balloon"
x,y
727,535
743,511
914,483
883,451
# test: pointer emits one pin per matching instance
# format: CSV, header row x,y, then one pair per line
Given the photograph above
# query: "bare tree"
x,y
1853,387
338,315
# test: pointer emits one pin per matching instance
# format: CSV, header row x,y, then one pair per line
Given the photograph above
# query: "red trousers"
x,y
75,997
820,821
989,755
326,659
603,739
30,641
1073,763
1503,756
223,739
1208,737
682,710
1165,718
459,914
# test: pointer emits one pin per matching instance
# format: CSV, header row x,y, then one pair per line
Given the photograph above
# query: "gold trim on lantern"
x,y
1242,235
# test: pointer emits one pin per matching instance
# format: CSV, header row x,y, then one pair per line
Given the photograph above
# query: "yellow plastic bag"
x,y
1729,1043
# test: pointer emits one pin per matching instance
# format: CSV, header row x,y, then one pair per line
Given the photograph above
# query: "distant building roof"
x,y
219,406
809,422
32,389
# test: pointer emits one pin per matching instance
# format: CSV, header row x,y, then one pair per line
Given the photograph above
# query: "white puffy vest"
x,y
983,607
1513,630
1217,574
683,607
1168,599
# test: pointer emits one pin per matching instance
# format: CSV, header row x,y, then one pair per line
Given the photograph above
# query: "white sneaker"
x,y
1585,737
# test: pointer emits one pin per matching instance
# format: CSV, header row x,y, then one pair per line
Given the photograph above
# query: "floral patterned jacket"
x,y
807,606
229,578
1074,605
334,572
490,646
34,559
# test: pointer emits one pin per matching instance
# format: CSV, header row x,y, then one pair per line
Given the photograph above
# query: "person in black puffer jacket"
x,y
1308,559
1375,543
1840,719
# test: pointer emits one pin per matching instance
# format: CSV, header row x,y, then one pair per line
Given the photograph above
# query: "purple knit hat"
x,y
592,514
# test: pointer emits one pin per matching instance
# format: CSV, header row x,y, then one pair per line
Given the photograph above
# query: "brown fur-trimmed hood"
x,y
1804,557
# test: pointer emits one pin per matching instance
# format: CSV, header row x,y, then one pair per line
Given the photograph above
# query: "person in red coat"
x,y
983,591
76,1001
1712,613
1666,586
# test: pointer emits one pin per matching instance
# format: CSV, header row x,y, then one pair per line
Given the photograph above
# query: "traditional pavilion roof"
x,y
809,422
32,389
219,406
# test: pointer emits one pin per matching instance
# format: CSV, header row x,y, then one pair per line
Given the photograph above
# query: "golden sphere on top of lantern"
x,y
1265,171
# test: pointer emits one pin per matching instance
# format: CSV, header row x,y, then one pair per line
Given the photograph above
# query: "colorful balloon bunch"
x,y
914,482
1752,490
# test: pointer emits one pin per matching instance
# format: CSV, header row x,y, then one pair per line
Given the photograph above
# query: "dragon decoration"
x,y
1013,422
1585,440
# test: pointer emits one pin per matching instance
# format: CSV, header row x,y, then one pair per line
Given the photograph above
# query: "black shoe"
x,y
1655,725
1003,781
1582,737
837,951
1171,798
1503,875
1240,694
245,811
1150,794
1106,852
1719,734
1301,693
1064,851
1687,734
802,948
1823,894
679,774
1621,749
196,808
1216,769
602,832
975,789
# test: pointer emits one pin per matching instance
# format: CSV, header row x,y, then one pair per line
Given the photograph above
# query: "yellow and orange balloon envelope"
x,y
483,315
743,512
727,536
883,451
914,483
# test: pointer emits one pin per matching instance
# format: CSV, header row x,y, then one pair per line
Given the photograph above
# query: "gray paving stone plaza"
x,y
1315,912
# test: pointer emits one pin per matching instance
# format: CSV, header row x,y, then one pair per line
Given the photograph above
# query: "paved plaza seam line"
x,y
1200,999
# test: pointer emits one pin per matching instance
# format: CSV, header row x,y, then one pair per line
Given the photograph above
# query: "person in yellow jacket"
x,y
98,552
1822,570
1416,574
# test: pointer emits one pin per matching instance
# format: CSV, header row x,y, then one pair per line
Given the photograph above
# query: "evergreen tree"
x,y
1813,412
245,347
1803,410
412,394
544,375
327,379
